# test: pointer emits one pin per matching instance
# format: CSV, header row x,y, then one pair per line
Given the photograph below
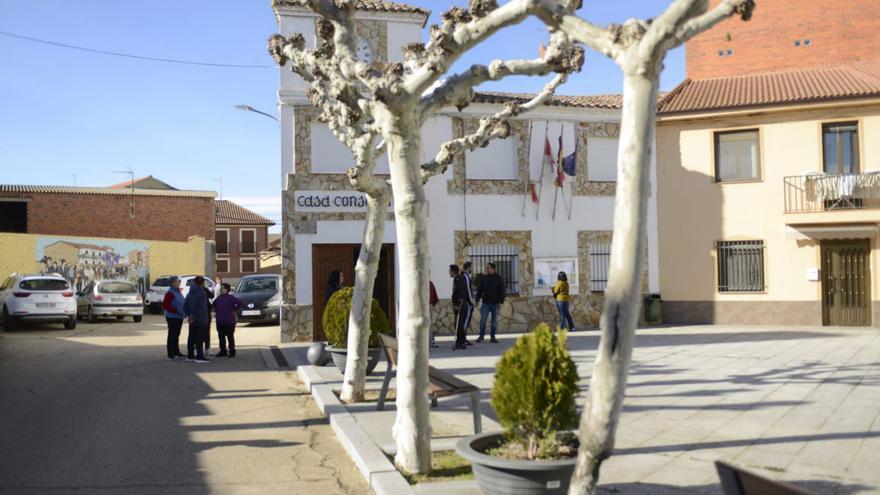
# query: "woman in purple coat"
x,y
225,307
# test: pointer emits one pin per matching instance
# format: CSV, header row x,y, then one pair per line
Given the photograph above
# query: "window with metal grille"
x,y
600,257
506,259
740,266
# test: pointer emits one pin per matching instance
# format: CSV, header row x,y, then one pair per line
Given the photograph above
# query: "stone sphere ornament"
x,y
318,354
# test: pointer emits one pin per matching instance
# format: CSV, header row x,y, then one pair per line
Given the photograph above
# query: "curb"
x,y
381,475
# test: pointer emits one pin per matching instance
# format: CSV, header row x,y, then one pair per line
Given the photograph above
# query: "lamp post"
x,y
248,108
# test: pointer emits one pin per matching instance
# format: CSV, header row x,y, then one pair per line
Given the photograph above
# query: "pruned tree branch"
x,y
491,127
561,57
684,19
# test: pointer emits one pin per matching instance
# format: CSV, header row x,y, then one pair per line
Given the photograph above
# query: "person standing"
x,y
173,303
225,306
218,287
334,283
560,294
197,314
491,292
141,278
464,290
432,300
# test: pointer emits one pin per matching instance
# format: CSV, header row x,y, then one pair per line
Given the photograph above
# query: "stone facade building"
x,y
482,209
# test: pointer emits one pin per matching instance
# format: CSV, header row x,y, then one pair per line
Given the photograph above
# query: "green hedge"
x,y
535,389
335,319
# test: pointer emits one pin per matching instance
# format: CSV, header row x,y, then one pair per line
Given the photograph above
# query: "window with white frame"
x,y
506,260
496,161
248,265
736,155
248,241
222,265
221,238
600,260
602,159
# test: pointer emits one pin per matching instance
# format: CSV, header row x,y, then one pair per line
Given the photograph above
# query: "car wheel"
x,y
70,324
9,323
137,318
92,317
119,317
153,309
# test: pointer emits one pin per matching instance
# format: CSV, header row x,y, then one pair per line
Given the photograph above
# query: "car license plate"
x,y
45,305
250,312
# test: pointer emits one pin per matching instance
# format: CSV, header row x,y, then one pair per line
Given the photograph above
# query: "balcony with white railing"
x,y
815,193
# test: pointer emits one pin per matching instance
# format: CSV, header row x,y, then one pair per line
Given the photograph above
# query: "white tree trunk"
x,y
412,426
621,312
354,382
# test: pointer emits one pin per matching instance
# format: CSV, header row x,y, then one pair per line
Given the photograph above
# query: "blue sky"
x,y
65,112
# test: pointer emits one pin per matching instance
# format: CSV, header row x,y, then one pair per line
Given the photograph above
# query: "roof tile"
x,y
776,88
228,213
369,5
44,189
612,101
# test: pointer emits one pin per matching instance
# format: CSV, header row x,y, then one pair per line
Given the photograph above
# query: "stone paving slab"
x,y
800,404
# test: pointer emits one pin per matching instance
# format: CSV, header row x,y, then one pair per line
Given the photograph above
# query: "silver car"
x,y
119,298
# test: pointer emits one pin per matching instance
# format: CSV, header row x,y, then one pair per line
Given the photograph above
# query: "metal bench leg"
x,y
389,371
478,415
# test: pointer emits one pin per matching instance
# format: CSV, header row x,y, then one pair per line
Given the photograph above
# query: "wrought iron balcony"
x,y
820,192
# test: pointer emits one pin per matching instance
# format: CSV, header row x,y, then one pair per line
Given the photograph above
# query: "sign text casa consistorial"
x,y
330,201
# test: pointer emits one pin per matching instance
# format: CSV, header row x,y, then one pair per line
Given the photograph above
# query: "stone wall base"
x,y
744,312
296,323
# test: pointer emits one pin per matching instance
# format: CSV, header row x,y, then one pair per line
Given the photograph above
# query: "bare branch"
x,y
684,19
561,57
491,127
560,15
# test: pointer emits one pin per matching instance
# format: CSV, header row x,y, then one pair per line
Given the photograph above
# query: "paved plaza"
x,y
99,410
796,404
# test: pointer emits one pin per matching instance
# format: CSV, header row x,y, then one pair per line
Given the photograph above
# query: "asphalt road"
x,y
99,410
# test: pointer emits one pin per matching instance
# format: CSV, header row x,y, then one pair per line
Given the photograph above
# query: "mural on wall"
x,y
81,262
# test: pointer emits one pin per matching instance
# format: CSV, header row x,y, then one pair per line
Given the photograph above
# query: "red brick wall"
x,y
839,30
100,215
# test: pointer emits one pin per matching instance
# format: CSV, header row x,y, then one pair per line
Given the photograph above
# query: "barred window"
x,y
506,259
740,266
600,258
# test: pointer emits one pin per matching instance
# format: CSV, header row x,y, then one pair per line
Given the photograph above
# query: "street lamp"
x,y
248,108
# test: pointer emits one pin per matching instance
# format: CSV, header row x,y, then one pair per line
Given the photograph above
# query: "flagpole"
x,y
541,177
528,180
556,174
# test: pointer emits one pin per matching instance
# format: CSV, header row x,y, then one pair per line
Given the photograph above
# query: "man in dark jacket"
x,y
198,315
463,294
491,292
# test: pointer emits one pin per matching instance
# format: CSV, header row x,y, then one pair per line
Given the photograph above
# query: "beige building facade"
x,y
768,244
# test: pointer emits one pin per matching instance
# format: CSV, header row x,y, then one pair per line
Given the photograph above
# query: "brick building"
x,y
787,34
240,236
88,233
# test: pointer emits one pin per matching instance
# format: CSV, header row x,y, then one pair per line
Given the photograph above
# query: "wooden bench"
x,y
440,383
736,481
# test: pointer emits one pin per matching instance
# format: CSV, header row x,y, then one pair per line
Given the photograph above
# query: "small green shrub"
x,y
335,319
534,395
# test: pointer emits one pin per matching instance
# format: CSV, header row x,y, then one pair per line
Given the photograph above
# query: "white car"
x,y
156,292
118,298
30,298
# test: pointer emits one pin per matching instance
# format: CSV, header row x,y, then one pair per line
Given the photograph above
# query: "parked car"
x,y
157,290
101,298
260,296
37,298
155,294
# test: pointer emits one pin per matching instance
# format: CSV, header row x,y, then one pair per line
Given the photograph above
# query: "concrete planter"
x,y
340,355
498,476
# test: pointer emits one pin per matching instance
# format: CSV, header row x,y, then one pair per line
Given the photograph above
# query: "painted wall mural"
x,y
83,261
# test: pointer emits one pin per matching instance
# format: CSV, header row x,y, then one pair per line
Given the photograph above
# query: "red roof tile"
x,y
613,102
776,88
370,6
229,213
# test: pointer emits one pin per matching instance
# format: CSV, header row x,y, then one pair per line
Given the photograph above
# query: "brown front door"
x,y
846,282
343,257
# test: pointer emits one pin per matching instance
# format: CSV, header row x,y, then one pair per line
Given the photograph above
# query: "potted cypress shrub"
x,y
335,322
534,396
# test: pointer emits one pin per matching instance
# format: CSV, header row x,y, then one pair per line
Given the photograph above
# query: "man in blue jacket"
x,y
197,314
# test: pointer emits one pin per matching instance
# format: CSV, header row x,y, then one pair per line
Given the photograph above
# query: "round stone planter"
x,y
498,476
340,355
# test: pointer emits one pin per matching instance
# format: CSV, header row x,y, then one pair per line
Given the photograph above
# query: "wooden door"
x,y
325,259
846,282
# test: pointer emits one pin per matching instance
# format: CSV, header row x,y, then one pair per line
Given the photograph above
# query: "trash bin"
x,y
652,308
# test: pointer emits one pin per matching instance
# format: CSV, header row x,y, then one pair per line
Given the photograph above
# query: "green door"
x,y
846,282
